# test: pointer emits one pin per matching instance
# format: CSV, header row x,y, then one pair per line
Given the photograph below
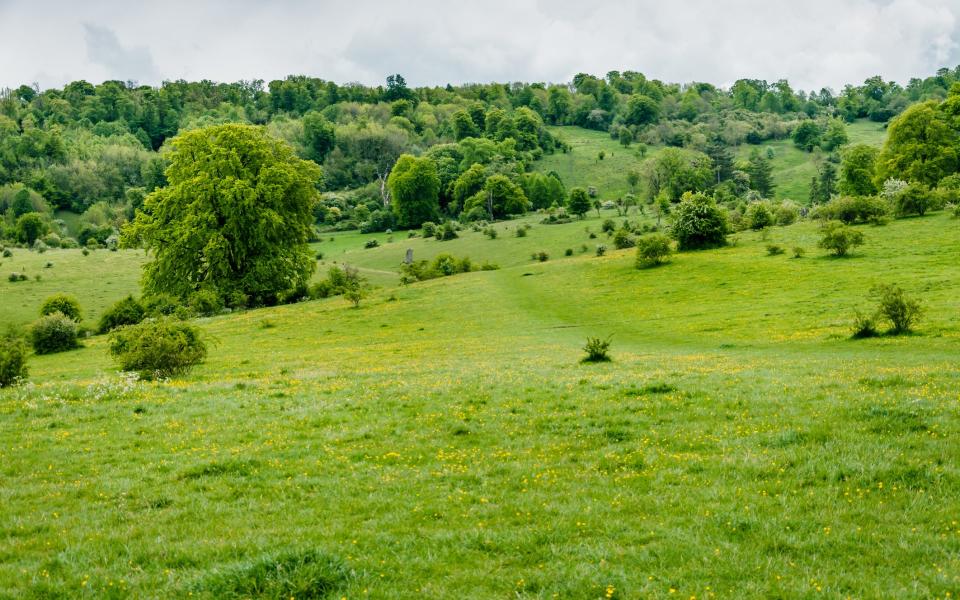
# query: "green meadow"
x,y
444,441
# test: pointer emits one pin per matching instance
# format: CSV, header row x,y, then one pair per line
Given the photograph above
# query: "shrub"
x,y
774,250
786,214
897,308
839,239
7,252
913,199
13,358
864,326
158,305
622,239
601,250
52,333
205,302
758,216
85,252
597,350
541,256
608,226
447,231
428,229
652,249
125,312
568,252
158,348
698,223
490,232
371,244
521,232
799,251
62,303
15,277
853,209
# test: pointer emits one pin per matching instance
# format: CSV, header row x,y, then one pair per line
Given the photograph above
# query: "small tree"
x,y
652,249
839,239
62,303
901,311
13,358
597,350
125,312
579,203
698,223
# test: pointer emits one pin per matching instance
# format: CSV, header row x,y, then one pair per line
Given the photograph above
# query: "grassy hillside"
x,y
443,441
792,168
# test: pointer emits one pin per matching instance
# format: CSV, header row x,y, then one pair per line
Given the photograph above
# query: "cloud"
x,y
814,44
103,48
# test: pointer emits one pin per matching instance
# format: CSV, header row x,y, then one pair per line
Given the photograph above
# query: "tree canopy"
x,y
234,217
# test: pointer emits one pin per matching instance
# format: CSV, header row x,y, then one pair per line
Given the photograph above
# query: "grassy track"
x,y
447,443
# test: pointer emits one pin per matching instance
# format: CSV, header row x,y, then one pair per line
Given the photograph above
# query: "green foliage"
x,y
309,574
205,302
921,146
759,216
158,348
806,135
341,281
13,358
446,232
839,238
414,189
853,209
901,311
500,197
443,265
799,251
641,110
236,216
319,136
864,326
597,350
697,223
857,170
913,199
428,229
62,303
675,171
579,202
30,227
623,238
127,311
653,249
52,333
774,249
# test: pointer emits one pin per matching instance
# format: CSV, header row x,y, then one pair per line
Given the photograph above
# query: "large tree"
x,y
921,146
857,170
319,136
234,217
414,189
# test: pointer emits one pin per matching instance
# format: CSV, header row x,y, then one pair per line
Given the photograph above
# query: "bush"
x,y
698,223
839,239
799,251
786,214
597,350
913,199
490,232
774,250
521,232
541,256
758,216
622,239
850,210
894,306
601,250
652,249
371,244
158,348
864,326
14,277
13,358
608,226
52,333
205,302
63,303
447,231
7,252
428,229
158,305
568,252
125,312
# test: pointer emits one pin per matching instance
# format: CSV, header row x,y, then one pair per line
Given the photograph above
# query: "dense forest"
x,y
88,155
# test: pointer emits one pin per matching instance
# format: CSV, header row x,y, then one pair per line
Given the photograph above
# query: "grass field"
x,y
444,441
792,168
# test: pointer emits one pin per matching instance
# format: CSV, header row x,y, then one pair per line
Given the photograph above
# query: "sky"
x,y
812,43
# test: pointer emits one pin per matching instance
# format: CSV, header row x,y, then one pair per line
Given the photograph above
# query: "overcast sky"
x,y
813,43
